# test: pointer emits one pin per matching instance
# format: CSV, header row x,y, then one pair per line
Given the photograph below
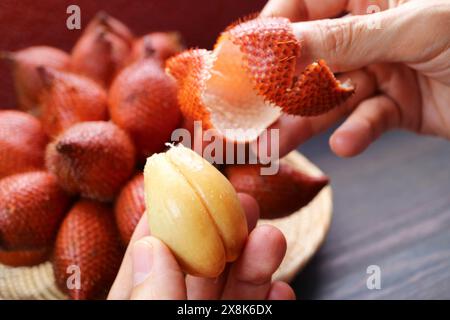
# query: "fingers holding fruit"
x,y
157,275
151,271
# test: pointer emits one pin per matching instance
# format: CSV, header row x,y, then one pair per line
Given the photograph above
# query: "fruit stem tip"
x,y
7,55
102,17
45,75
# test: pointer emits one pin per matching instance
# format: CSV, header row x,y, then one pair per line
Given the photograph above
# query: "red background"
x,y
36,22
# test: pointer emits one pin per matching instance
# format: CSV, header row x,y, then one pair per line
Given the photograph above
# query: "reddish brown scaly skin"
x,y
157,45
277,195
32,206
143,102
315,92
68,98
24,258
22,143
190,68
27,81
111,24
129,207
94,159
87,239
99,55
270,51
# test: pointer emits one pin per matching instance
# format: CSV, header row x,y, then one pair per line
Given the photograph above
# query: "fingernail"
x,y
142,256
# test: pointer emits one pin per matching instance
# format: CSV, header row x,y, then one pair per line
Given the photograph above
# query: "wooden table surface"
x,y
391,209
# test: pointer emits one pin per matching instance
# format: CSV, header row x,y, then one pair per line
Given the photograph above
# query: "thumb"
x,y
352,42
156,273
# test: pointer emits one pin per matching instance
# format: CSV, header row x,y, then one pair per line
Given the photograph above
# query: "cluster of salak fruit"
x,y
71,187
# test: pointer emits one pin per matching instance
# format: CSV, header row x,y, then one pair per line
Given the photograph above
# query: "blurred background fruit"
x,y
22,142
129,207
160,45
98,116
280,194
143,102
88,240
24,258
44,22
93,159
27,81
68,98
102,50
31,207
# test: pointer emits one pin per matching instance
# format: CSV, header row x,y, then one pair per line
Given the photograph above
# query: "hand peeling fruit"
x,y
249,79
194,210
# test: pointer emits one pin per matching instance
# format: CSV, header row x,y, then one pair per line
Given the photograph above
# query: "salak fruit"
x,y
24,258
87,245
94,159
27,82
68,98
156,45
22,143
103,49
194,210
143,102
99,54
277,195
32,206
112,24
129,207
249,79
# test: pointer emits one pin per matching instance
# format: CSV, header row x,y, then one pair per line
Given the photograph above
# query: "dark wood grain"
x,y
391,209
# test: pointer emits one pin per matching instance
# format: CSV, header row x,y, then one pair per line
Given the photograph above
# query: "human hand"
x,y
401,70
149,271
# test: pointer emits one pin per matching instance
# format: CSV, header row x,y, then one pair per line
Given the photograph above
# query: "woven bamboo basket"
x,y
304,230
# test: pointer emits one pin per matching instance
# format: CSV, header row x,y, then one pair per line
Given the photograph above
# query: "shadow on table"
x,y
306,283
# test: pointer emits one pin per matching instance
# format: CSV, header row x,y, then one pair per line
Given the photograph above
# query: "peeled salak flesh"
x,y
194,210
